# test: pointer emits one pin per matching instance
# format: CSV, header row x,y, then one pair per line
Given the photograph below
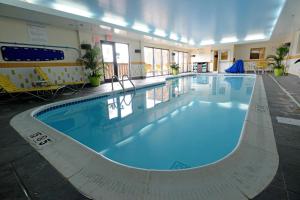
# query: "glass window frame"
x,y
162,61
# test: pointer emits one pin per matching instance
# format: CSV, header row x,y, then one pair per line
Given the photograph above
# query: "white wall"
x,y
17,31
13,30
295,55
242,51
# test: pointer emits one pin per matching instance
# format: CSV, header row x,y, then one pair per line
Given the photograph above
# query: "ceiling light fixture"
x,y
183,39
207,42
114,19
173,36
105,27
229,40
75,10
141,27
118,31
255,37
192,42
160,33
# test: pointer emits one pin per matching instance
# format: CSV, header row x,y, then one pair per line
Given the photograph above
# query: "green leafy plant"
x,y
174,66
175,69
93,62
276,60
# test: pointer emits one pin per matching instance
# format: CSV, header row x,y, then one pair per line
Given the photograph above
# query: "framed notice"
x,y
37,34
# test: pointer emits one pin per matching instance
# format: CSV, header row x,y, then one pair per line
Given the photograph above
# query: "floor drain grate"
x,y
179,165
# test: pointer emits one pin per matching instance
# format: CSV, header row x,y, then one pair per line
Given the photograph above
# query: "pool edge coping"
x,y
82,171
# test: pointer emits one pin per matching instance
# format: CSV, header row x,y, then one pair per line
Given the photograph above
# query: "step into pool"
x,y
188,122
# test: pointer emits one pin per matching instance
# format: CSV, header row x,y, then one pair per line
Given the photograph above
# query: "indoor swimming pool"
x,y
188,122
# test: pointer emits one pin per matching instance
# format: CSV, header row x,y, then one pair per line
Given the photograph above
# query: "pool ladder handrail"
x,y
112,82
121,83
128,79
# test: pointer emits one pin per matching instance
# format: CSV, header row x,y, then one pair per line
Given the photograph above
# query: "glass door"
x,y
157,62
165,61
108,59
122,57
149,61
185,64
116,58
180,60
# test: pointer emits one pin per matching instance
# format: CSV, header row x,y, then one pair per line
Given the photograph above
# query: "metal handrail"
x,y
112,82
125,75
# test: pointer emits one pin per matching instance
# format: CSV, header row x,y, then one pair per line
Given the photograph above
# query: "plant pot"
x,y
278,72
85,46
94,81
175,71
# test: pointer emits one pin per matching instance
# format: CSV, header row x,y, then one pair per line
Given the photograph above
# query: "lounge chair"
x,y
68,85
6,86
261,66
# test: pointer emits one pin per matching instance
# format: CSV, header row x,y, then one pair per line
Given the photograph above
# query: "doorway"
x,y
216,61
116,57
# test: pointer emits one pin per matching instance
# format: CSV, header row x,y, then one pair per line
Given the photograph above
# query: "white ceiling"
x,y
289,20
193,21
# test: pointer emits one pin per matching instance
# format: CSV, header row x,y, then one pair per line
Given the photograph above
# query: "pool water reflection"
x,y
188,122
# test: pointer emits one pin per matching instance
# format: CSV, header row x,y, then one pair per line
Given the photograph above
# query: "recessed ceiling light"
x,y
183,39
148,37
173,36
255,37
160,33
207,42
229,40
105,27
191,42
118,31
74,9
141,27
114,19
31,1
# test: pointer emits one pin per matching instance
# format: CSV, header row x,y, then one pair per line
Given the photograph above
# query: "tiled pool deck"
x,y
21,165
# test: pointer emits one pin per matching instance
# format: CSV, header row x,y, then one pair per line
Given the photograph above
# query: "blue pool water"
x,y
188,122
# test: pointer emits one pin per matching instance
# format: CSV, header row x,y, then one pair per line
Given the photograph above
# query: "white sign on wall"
x,y
37,34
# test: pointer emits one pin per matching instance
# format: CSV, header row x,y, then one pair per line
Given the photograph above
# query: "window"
x,y
224,55
257,53
122,53
107,51
175,57
165,61
148,57
156,61
185,62
180,62
181,58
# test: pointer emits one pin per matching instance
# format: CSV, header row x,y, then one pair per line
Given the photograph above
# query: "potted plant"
x,y
93,62
276,60
175,69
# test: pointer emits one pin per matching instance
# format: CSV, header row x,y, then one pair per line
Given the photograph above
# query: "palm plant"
x,y
175,69
94,63
276,60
